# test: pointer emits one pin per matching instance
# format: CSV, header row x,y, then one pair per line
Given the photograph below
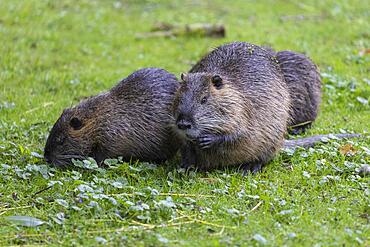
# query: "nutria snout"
x,y
183,122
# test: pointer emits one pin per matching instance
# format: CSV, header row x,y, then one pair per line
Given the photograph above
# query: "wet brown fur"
x,y
304,84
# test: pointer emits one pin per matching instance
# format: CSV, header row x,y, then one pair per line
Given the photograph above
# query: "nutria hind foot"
x,y
251,168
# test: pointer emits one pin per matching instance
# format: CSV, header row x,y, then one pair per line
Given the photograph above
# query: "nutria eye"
x,y
204,100
75,123
217,81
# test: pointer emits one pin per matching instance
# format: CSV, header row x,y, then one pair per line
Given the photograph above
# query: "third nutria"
x,y
131,120
304,85
232,108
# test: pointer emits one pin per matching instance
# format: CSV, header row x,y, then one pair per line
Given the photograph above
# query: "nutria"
x,y
234,105
304,85
132,121
232,108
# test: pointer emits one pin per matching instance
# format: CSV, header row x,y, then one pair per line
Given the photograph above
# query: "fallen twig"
x,y
32,235
37,108
40,191
199,29
300,124
3,210
255,207
181,217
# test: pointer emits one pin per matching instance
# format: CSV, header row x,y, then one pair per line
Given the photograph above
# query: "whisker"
x,y
69,156
61,163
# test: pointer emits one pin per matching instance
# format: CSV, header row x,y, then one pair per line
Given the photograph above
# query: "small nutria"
x,y
232,108
132,120
304,85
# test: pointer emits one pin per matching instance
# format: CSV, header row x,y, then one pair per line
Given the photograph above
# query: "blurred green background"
x,y
54,53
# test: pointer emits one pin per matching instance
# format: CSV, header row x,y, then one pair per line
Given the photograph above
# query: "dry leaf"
x,y
347,149
364,52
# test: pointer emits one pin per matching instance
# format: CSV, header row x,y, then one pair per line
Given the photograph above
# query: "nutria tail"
x,y
312,140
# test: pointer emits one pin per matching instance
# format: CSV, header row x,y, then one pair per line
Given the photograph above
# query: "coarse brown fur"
x,y
232,108
132,120
304,85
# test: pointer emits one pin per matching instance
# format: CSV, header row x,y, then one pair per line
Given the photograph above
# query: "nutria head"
x,y
204,104
74,135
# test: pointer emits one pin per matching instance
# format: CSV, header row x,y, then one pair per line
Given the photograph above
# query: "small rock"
x,y
364,170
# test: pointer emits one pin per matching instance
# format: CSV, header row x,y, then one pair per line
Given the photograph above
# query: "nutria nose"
x,y
183,125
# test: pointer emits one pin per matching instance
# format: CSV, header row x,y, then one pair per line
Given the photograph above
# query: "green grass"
x,y
53,53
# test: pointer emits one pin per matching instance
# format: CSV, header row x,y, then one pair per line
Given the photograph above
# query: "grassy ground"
x,y
53,53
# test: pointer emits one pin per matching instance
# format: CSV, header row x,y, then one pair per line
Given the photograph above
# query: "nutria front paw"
x,y
208,140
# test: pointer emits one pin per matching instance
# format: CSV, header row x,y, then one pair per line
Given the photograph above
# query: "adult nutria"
x,y
304,85
131,120
234,105
232,108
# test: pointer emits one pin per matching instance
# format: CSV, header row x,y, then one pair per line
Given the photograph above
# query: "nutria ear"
x,y
75,123
217,81
183,75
